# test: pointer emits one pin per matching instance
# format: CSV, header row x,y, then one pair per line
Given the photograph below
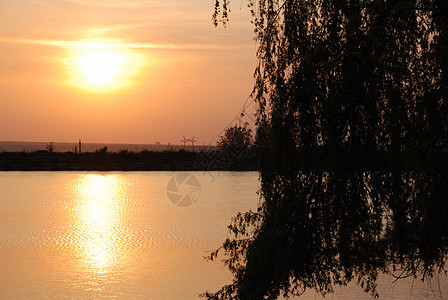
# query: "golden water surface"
x,y
117,235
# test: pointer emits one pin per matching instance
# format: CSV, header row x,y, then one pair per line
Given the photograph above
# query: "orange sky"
x,y
181,76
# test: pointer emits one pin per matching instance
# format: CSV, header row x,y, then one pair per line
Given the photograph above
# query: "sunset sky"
x,y
126,71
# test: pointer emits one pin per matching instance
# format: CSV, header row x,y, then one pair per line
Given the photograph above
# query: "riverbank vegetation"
x,y
353,133
101,160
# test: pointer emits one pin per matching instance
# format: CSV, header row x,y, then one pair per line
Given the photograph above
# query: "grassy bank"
x,y
126,161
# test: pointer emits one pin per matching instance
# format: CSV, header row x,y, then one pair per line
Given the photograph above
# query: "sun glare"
x,y
97,216
102,67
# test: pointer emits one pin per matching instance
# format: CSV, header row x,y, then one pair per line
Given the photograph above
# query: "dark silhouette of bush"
x,y
237,140
102,150
50,147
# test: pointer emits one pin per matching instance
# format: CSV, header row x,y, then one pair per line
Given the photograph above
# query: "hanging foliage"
x,y
353,130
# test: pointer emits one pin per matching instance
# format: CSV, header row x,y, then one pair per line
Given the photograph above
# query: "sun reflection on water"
x,y
98,215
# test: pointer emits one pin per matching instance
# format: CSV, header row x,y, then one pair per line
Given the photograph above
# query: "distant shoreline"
x,y
23,146
181,160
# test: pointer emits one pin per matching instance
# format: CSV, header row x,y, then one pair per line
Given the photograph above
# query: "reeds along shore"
x,y
126,161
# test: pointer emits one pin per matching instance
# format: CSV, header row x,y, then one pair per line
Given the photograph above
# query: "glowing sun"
x,y
102,67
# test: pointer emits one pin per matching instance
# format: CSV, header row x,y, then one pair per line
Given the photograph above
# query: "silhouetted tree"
x,y
102,150
50,147
236,140
353,98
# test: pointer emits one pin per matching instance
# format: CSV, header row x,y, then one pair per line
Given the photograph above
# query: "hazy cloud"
x,y
117,44
104,3
103,30
127,3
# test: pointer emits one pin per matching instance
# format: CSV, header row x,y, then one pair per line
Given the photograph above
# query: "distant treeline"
x,y
11,146
102,160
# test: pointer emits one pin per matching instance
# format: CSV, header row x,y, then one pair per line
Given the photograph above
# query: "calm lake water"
x,y
136,235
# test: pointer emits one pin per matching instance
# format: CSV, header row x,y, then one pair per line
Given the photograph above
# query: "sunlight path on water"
x,y
118,235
